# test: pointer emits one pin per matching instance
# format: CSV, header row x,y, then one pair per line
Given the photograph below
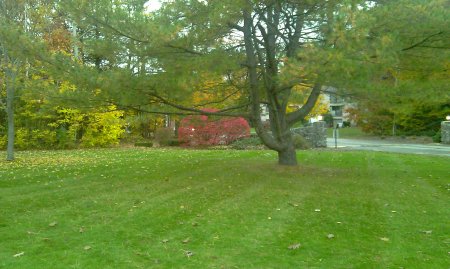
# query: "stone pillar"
x,y
315,134
320,133
445,132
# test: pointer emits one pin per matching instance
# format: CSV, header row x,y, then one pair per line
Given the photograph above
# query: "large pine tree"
x,y
261,50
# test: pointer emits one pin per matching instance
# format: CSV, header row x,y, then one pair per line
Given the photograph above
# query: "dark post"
x,y
335,135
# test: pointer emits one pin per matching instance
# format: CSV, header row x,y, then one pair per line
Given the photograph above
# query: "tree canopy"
x,y
240,54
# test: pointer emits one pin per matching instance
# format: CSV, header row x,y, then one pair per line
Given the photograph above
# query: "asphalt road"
x,y
388,146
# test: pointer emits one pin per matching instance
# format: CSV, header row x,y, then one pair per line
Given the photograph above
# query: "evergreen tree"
x,y
263,52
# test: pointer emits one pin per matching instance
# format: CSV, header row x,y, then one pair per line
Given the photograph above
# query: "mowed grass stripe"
x,y
234,220
125,190
103,181
348,213
222,201
414,213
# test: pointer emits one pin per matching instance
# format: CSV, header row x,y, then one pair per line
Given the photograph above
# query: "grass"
x,y
132,208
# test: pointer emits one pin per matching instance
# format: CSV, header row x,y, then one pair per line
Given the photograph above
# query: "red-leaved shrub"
x,y
206,131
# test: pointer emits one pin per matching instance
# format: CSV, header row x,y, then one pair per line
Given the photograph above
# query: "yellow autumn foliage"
x,y
302,92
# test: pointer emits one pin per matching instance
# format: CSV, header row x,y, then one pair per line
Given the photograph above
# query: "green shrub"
x,y
437,137
252,142
3,141
174,143
35,139
165,136
103,129
42,139
21,139
300,142
65,138
143,144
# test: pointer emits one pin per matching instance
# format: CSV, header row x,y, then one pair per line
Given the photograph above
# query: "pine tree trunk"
x,y
288,156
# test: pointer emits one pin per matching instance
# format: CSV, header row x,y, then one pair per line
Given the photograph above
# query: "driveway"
x,y
389,146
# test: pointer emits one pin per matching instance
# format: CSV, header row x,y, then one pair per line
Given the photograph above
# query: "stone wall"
x,y
316,134
445,132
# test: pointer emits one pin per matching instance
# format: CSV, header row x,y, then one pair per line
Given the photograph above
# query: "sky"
x,y
153,5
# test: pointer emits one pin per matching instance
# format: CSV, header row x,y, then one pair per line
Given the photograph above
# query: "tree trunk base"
x,y
287,157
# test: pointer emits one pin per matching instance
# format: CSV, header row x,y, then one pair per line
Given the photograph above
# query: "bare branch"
x,y
218,101
117,31
197,111
306,108
423,41
236,26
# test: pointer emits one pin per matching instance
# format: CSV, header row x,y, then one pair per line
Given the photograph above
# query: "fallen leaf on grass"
x,y
295,246
385,239
185,241
53,224
330,236
188,253
18,254
87,247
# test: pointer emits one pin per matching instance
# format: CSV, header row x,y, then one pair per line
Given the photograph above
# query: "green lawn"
x,y
133,208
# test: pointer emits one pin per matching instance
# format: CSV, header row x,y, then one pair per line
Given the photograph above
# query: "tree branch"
x,y
218,101
423,41
189,51
236,26
117,31
199,111
302,112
